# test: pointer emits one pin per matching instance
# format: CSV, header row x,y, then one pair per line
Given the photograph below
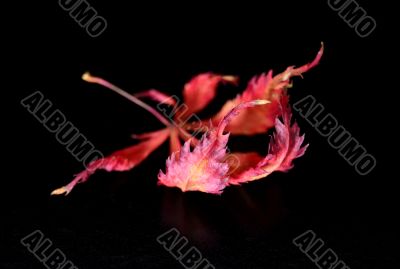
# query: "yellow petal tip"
x,y
230,79
261,102
59,191
87,77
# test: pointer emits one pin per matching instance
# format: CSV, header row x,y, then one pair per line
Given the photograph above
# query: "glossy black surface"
x,y
112,221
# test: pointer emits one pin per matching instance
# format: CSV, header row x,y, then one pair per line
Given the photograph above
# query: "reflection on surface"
x,y
204,218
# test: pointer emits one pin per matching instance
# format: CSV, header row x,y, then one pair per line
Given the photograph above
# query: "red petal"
x,y
284,147
174,143
121,160
243,161
259,119
199,91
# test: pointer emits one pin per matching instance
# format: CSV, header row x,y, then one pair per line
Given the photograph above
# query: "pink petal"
x,y
204,168
156,96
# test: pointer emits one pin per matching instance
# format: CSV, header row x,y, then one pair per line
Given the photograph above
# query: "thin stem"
x,y
87,77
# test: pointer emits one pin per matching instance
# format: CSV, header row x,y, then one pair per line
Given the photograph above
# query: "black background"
x,y
112,221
